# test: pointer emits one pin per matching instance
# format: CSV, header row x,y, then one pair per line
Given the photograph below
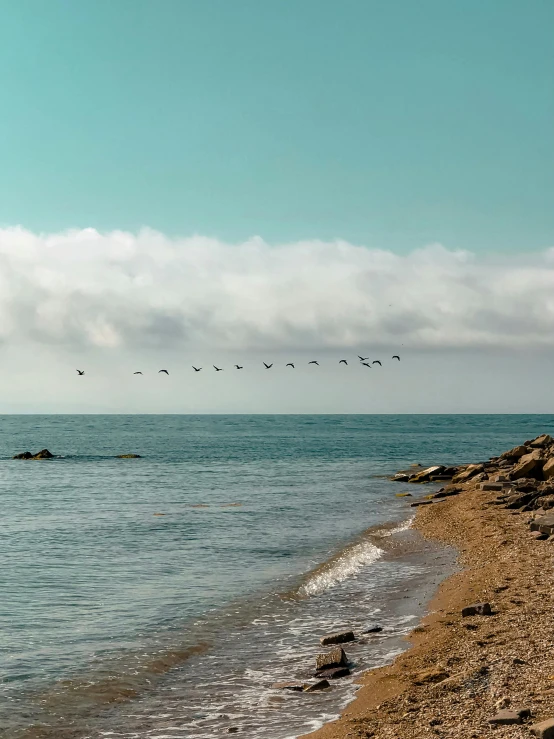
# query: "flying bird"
x,y
363,359
166,372
290,364
314,362
80,372
366,364
395,356
237,366
217,369
196,369
268,366
137,373
376,361
343,361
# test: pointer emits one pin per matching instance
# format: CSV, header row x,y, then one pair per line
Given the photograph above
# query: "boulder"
x,y
541,441
467,473
320,685
334,673
128,456
334,658
291,685
23,455
425,475
477,609
400,477
548,469
544,729
527,465
515,453
340,637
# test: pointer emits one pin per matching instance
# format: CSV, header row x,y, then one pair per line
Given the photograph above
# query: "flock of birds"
x,y
363,361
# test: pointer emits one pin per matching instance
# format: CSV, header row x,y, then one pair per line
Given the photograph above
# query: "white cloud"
x,y
81,288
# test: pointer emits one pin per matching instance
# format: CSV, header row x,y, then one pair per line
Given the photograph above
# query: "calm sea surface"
x,y
162,596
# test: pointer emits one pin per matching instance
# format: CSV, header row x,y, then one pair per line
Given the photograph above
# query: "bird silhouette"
x,y
363,359
268,366
217,369
290,364
137,373
314,362
376,361
395,356
80,372
166,372
196,369
343,361
237,366
366,364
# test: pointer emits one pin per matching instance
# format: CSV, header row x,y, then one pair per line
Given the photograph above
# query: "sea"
x,y
162,597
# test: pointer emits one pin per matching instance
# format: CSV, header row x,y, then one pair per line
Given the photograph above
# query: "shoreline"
x,y
458,673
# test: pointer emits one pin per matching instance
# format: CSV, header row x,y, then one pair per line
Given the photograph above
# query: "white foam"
x,y
344,566
404,526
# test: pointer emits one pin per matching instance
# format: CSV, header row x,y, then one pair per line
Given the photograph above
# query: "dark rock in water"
x,y
294,686
373,630
477,609
421,502
340,637
128,456
335,658
334,673
43,454
232,730
400,477
425,475
320,685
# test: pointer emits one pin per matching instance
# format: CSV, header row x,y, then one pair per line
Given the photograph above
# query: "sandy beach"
x,y
460,672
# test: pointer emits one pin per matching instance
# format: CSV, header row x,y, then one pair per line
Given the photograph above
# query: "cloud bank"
x,y
84,288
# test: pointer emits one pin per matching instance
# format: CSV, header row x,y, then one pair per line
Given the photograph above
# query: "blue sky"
x,y
388,124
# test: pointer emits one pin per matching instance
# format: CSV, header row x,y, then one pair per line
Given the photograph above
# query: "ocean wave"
x,y
344,565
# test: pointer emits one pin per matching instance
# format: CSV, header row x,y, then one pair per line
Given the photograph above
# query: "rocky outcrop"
x,y
468,472
43,454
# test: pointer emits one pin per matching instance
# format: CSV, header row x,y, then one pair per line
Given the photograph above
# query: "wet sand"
x,y
460,671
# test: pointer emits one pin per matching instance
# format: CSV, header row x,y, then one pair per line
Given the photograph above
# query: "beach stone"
x,y
544,729
434,675
338,638
334,673
401,477
468,472
538,536
477,609
320,685
544,524
424,475
23,455
447,492
373,630
335,658
506,717
403,495
128,456
291,685
541,441
498,486
421,502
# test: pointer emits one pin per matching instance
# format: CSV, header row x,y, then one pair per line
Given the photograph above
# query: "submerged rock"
x,y
320,685
128,456
43,454
338,638
290,685
334,673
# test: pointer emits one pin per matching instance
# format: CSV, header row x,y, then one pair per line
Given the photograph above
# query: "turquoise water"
x,y
111,611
